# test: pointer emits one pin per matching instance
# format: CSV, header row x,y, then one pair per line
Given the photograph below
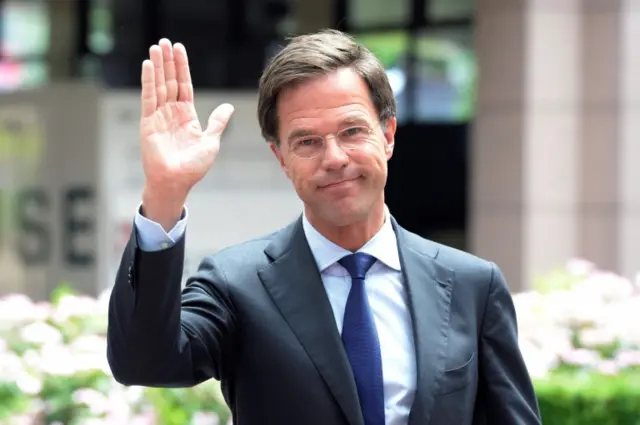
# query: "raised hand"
x,y
176,151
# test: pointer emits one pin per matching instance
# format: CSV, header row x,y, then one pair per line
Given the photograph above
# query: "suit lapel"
x,y
429,289
293,282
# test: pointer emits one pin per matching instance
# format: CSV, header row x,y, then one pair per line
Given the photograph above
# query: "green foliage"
x,y
12,400
388,47
590,399
442,56
53,370
61,291
556,280
178,406
73,386
575,330
58,395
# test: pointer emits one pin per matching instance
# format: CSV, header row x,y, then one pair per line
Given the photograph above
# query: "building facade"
x,y
519,133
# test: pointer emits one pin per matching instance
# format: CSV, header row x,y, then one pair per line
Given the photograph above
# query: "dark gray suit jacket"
x,y
256,317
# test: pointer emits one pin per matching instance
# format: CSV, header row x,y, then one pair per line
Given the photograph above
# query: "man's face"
x,y
338,186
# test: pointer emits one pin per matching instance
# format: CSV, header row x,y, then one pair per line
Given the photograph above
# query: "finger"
x,y
185,85
155,53
169,70
219,119
148,96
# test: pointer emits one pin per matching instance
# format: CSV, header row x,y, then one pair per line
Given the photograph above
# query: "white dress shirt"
x,y
385,291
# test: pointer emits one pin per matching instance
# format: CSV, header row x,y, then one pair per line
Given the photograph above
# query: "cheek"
x,y
300,173
373,159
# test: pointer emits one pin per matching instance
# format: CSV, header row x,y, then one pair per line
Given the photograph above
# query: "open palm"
x,y
176,151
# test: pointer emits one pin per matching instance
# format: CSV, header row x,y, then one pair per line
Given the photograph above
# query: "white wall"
x,y
245,194
48,157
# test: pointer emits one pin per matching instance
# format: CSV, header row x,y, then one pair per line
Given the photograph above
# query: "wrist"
x,y
163,207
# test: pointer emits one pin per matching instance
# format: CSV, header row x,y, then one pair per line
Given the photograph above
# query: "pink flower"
x,y
608,286
628,358
205,418
608,367
97,402
40,333
580,267
597,337
29,384
17,308
71,306
539,360
23,420
581,357
57,360
11,367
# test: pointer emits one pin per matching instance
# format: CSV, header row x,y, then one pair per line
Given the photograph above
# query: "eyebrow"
x,y
298,133
354,120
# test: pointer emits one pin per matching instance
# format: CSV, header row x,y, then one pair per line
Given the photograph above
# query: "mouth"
x,y
339,183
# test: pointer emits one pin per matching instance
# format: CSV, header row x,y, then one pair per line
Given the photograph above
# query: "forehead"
x,y
324,101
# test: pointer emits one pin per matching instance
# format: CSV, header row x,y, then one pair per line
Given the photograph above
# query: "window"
x,y
100,27
25,28
24,42
446,75
16,75
444,69
376,13
447,10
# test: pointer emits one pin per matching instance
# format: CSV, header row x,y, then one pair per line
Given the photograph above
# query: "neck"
x,y
354,235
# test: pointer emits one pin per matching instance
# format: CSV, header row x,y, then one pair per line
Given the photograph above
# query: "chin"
x,y
341,214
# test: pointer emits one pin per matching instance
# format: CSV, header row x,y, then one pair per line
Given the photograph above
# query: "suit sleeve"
x,y
505,384
159,335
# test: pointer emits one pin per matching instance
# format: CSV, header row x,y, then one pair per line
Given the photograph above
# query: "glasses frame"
x,y
367,138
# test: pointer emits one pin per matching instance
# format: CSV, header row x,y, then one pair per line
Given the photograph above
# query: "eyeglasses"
x,y
309,147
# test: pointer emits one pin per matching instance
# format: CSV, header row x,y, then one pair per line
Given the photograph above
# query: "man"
x,y
342,317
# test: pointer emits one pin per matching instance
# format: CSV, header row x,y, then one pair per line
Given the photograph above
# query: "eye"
x,y
353,131
308,143
358,133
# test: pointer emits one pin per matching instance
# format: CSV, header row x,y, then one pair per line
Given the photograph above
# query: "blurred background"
x,y
517,141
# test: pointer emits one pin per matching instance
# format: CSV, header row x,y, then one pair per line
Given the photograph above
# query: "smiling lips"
x,y
337,183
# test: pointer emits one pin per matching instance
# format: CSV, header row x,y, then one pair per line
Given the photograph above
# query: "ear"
x,y
275,148
389,130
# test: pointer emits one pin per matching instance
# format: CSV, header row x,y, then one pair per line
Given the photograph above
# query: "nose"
x,y
334,156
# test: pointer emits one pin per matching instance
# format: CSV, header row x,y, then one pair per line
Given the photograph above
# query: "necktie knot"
x,y
357,264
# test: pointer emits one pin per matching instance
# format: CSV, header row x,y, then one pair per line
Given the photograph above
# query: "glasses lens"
x,y
308,147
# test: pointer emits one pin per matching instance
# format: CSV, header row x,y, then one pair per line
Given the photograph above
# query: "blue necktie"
x,y
360,339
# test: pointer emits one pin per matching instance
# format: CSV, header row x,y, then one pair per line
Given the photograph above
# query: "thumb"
x,y
219,119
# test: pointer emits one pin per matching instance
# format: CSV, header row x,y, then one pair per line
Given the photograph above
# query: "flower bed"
x,y
580,336
53,370
577,333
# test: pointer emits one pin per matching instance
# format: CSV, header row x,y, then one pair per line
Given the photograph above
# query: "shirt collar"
x,y
383,246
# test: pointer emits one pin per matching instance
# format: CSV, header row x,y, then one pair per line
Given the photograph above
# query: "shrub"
x,y
53,370
577,334
582,345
